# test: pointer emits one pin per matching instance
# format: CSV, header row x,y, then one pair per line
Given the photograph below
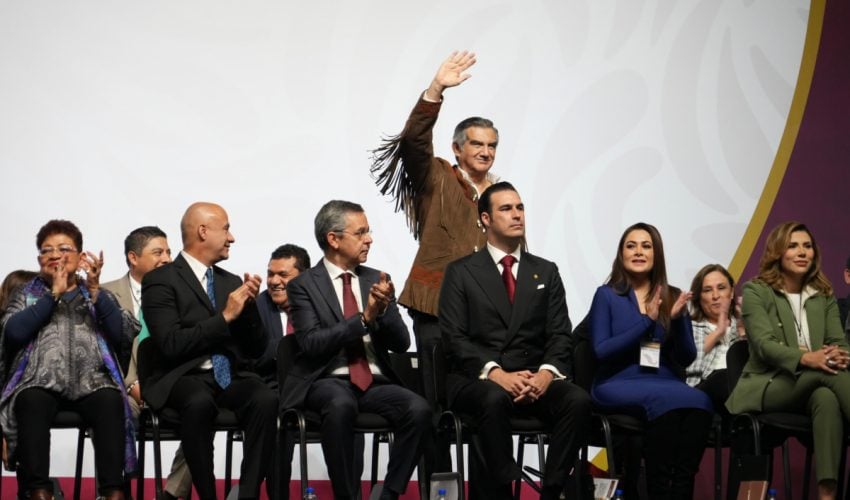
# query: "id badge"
x,y
650,354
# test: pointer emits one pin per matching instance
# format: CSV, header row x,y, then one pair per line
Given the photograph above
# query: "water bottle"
x,y
441,494
771,494
618,495
310,494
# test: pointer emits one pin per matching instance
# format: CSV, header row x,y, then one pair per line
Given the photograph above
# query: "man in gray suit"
x,y
146,248
346,322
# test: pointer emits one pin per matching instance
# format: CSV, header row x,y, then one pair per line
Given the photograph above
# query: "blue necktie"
x,y
221,365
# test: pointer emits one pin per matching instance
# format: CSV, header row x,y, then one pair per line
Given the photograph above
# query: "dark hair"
x,y
12,281
331,219
59,226
621,281
484,204
139,238
847,265
459,136
697,314
770,264
302,258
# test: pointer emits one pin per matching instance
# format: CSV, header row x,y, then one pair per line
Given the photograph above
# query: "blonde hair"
x,y
770,265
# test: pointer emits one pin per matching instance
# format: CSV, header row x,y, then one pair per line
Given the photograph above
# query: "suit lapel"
x,y
186,274
323,282
814,318
484,271
125,294
786,319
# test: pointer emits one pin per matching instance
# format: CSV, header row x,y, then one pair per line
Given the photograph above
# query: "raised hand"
x,y
93,265
654,304
450,74
680,305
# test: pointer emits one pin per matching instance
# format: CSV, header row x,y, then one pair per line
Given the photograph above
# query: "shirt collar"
x,y
497,254
135,286
198,268
334,271
491,178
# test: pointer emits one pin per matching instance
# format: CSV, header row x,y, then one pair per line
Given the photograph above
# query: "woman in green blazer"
x,y
798,353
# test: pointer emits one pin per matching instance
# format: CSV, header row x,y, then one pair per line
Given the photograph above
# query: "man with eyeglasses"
x,y
346,322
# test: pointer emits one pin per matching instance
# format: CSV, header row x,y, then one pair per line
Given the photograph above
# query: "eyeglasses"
x,y
63,250
360,234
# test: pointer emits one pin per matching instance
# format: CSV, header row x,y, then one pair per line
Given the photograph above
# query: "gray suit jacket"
x,y
322,333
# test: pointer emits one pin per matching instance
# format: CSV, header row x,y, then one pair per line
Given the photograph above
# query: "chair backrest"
x,y
584,359
406,367
736,358
440,368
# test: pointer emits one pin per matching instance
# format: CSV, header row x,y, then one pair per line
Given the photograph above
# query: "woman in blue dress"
x,y
642,338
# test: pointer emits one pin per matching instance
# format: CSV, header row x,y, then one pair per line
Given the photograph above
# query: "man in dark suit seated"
x,y
205,327
503,316
346,321
285,264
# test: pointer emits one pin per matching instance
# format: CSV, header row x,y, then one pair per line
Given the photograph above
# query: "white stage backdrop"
x,y
119,114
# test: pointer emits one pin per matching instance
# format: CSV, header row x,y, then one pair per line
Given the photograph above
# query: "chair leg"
x,y
78,470
157,457
807,473
375,451
228,463
302,452
786,468
718,461
140,481
520,458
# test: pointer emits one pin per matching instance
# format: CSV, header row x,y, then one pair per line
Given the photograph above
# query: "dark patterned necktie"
x,y
221,365
358,366
507,276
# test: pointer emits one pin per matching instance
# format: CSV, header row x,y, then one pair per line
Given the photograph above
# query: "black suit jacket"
x,y
322,333
479,324
186,329
266,365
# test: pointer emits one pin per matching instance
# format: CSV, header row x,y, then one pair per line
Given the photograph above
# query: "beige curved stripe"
x,y
786,146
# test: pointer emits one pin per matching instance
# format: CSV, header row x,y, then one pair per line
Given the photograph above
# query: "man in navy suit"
x,y
505,327
285,264
205,329
346,321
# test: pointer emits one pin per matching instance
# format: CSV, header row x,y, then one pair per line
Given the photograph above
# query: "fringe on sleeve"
x,y
393,179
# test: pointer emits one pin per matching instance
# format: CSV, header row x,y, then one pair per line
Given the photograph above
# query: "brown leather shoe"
x,y
41,494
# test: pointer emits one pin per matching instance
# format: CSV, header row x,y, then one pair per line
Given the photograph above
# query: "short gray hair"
x,y
473,121
331,219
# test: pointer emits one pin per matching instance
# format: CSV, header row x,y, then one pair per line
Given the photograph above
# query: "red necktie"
x,y
358,366
507,276
290,328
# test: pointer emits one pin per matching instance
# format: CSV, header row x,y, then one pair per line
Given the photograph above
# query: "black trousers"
x,y
338,402
426,330
102,411
673,447
716,386
564,406
197,398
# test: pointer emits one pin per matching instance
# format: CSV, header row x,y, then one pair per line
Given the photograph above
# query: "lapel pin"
x,y
535,276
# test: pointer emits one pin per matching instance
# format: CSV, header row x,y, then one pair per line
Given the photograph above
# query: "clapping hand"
x,y
238,298
380,296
